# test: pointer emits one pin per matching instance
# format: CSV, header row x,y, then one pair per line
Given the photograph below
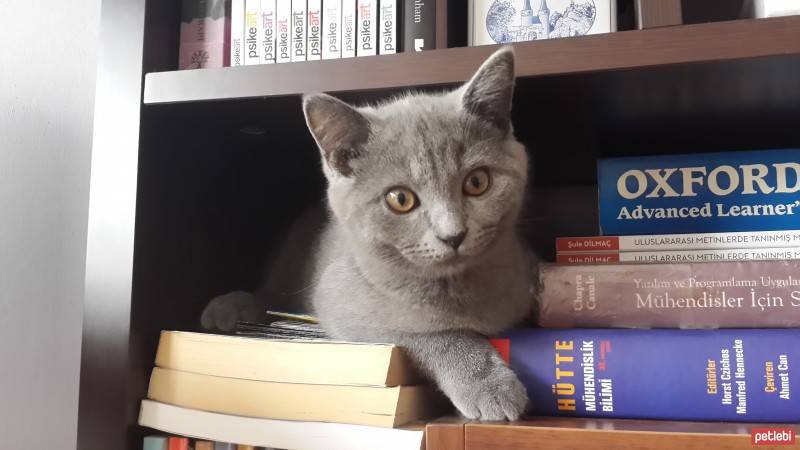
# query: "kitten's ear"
x,y
490,91
338,128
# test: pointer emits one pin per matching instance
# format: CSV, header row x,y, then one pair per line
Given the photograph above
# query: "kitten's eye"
x,y
401,200
477,182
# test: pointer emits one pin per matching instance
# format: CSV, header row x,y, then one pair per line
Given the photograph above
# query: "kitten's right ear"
x,y
338,128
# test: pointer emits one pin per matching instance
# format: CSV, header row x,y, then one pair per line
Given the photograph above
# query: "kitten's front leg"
x,y
469,371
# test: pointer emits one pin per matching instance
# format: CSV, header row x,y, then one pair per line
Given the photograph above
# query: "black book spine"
x,y
419,25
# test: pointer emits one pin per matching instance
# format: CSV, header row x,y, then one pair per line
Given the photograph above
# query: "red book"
x,y
749,294
178,443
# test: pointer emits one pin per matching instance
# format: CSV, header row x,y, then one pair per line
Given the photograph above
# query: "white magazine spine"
x,y
388,27
237,32
332,29
252,32
268,27
711,241
314,30
349,28
283,15
367,27
299,30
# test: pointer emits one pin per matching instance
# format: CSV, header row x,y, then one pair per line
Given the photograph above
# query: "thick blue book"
x,y
728,375
706,192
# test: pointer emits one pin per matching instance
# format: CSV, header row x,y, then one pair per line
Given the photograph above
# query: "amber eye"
x,y
477,182
401,200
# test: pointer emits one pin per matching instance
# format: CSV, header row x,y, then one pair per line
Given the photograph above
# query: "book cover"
x,y
268,33
506,21
283,16
237,33
299,30
314,21
362,405
388,27
673,256
688,241
712,375
253,29
419,25
366,35
332,29
349,24
751,294
203,34
705,192
273,433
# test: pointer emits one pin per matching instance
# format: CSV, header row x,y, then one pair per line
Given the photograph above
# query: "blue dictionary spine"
x,y
708,192
730,375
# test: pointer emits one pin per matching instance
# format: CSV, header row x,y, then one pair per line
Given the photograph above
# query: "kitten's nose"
x,y
454,240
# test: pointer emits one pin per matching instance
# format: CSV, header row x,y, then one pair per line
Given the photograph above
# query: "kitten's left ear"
x,y
339,129
490,91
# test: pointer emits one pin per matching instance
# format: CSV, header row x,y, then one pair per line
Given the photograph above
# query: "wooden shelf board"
x,y
721,41
601,434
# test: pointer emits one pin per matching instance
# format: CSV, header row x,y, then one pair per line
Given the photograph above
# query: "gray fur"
x,y
388,277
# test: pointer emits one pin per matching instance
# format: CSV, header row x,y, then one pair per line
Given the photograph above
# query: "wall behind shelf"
x,y
46,103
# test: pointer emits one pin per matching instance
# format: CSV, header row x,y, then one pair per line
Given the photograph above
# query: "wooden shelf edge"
x,y
720,41
559,433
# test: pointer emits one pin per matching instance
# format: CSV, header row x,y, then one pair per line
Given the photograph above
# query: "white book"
x,y
283,36
298,29
252,32
366,30
331,29
387,27
682,256
691,241
237,32
268,31
275,433
523,20
314,30
348,28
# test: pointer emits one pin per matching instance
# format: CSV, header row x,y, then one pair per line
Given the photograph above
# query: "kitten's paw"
x,y
224,311
500,396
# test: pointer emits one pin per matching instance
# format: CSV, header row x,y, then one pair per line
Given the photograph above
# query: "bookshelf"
x,y
184,162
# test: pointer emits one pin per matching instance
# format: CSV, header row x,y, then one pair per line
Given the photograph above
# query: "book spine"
x,y
680,295
419,25
252,32
719,375
332,29
738,254
367,15
203,38
283,22
349,27
709,192
695,241
154,443
299,30
178,443
388,27
314,21
237,32
203,445
269,28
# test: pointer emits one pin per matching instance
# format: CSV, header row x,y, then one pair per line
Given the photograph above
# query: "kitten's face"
x,y
426,182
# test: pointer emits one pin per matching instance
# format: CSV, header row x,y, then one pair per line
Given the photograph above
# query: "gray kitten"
x,y
422,249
